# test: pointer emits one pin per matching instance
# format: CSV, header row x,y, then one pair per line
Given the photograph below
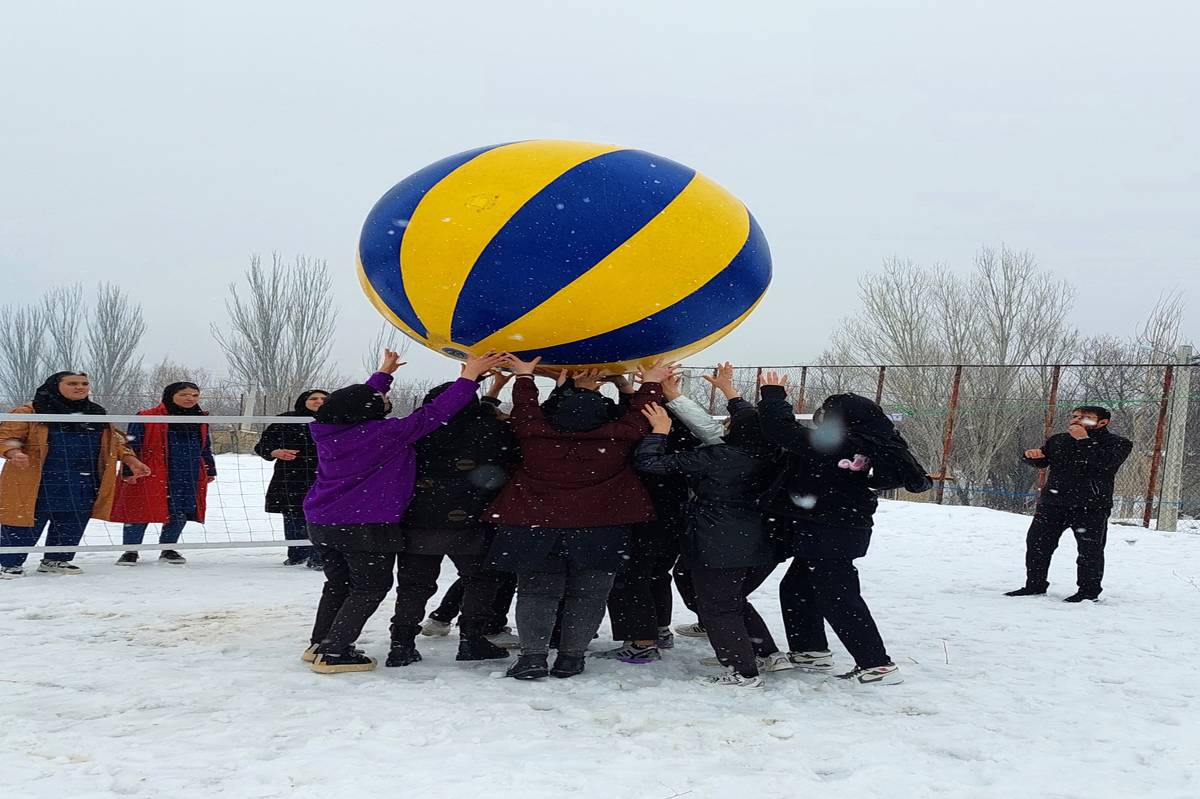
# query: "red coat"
x,y
146,500
575,479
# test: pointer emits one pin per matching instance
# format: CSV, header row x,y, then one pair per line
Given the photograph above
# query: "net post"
x,y
1051,412
1172,488
948,435
800,393
1159,433
879,386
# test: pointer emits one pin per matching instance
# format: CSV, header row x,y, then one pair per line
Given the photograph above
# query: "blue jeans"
x,y
295,529
66,529
171,529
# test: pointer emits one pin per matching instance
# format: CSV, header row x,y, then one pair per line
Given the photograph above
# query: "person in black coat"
x,y
824,500
295,455
461,467
1078,495
726,547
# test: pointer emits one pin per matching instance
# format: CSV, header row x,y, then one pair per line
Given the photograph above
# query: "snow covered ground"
x,y
186,682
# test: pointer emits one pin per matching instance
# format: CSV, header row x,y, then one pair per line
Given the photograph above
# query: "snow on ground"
x,y
186,682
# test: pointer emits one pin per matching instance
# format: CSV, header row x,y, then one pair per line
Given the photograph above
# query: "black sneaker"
x,y
315,565
172,557
1026,591
528,667
567,666
351,660
404,654
1081,596
294,562
479,649
128,559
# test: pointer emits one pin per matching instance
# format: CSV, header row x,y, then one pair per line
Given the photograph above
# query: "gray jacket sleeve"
x,y
702,425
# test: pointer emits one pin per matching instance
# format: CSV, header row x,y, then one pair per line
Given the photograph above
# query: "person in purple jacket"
x,y
365,478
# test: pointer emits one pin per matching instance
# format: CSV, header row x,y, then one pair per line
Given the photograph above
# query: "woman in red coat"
x,y
563,519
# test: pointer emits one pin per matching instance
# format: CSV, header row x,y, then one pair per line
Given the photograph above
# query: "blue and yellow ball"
x,y
588,255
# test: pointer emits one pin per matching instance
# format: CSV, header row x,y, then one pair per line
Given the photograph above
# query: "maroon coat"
x,y
575,479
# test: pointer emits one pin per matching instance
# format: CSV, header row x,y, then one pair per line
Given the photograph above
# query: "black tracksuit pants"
x,y
452,600
416,583
355,584
818,590
639,604
737,633
1090,526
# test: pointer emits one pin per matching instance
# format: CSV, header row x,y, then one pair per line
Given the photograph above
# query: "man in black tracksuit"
x,y
1078,495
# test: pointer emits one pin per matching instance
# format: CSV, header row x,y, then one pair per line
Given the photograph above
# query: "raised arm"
x,y
651,455
776,417
696,419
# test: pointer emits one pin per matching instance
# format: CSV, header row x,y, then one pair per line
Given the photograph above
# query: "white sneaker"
x,y
731,679
58,567
433,627
820,662
691,630
777,661
888,674
505,639
11,572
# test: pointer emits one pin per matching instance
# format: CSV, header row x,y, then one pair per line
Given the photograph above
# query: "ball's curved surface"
x,y
585,254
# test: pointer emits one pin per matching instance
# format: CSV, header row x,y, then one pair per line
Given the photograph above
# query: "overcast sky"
x,y
157,144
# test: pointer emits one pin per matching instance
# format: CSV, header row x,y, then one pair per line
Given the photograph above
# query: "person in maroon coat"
x,y
563,519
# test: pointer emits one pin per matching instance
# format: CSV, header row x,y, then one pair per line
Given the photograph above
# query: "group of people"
x,y
579,504
596,505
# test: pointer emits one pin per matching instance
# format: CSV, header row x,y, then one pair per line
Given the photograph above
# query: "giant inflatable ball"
x,y
588,255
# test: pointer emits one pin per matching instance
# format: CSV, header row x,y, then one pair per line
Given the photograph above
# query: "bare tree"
x,y
64,319
114,333
21,352
389,337
281,326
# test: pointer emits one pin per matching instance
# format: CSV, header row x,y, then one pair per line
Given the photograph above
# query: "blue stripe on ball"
x,y
561,233
379,245
711,307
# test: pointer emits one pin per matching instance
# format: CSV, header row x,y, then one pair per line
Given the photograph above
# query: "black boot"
x,y
479,648
567,666
1026,591
1081,595
528,667
403,653
336,662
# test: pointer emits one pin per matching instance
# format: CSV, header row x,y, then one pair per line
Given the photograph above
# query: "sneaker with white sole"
x,y
820,661
58,567
731,679
666,639
172,557
435,628
128,559
11,572
631,653
505,639
692,630
887,674
776,661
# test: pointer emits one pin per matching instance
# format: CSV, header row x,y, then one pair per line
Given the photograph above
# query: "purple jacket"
x,y
366,471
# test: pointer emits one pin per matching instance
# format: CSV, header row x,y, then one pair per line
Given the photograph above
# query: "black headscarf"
x,y
578,410
745,433
48,399
854,417
352,405
300,408
168,401
453,434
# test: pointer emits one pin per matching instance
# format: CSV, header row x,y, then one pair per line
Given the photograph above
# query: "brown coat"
x,y
19,487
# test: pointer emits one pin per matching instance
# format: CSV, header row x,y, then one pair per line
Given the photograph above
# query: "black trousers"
x,y
737,633
416,583
640,601
683,584
818,590
355,584
1090,526
452,600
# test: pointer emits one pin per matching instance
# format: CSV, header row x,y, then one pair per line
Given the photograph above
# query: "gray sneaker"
x,y
58,567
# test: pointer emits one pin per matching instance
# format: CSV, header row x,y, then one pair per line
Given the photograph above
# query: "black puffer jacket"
x,y
1082,471
813,486
461,467
724,524
291,479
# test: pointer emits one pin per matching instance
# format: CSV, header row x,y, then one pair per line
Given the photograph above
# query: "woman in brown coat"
x,y
57,474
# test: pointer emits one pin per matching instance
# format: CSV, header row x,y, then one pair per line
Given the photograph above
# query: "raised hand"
x,y
390,362
588,379
521,368
1077,432
672,387
499,381
723,380
477,365
622,382
658,371
773,379
660,420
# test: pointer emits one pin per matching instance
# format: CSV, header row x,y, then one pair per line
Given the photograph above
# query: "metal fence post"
x,y
1156,457
948,436
1051,412
1172,482
879,386
800,393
